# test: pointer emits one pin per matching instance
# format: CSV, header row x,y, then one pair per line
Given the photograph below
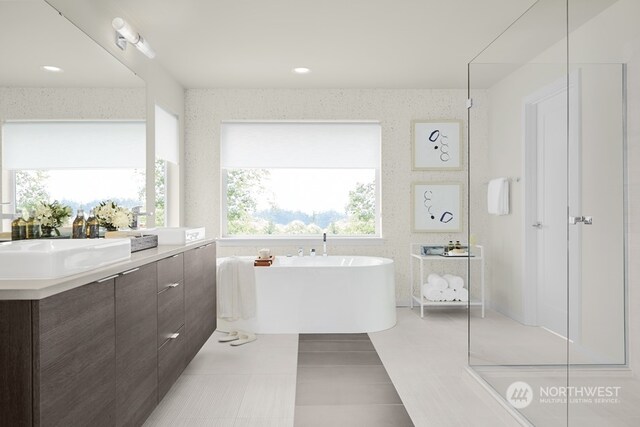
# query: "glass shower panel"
x,y
518,182
600,392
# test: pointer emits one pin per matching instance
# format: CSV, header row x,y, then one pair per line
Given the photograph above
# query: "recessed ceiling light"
x,y
301,70
52,68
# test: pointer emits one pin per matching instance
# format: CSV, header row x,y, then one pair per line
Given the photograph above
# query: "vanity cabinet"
x,y
171,321
200,296
105,353
136,344
74,363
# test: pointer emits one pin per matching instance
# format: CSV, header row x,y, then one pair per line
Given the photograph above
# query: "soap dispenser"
x,y
93,226
78,227
18,228
33,226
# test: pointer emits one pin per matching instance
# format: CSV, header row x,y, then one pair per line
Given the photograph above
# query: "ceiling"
x,y
33,34
346,43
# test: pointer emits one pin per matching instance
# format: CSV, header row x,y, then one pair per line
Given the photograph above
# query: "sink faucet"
x,y
135,213
300,251
324,244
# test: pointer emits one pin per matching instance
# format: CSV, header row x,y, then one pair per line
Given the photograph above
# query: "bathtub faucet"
x,y
324,244
300,251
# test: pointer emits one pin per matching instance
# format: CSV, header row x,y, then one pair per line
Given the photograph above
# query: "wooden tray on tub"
x,y
264,262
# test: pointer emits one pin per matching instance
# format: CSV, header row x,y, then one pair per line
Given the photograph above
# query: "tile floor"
x,y
255,384
342,379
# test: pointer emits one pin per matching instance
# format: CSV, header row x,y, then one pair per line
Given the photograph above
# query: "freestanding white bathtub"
x,y
333,294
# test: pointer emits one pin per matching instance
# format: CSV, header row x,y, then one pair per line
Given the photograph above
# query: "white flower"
x,y
120,219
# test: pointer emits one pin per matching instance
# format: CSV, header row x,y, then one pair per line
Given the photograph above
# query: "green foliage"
x,y
243,188
361,209
30,189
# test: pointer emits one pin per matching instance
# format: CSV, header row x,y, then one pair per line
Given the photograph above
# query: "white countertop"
x,y
42,288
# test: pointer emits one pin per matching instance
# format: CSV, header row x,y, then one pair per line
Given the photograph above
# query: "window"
x,y
300,178
166,167
78,163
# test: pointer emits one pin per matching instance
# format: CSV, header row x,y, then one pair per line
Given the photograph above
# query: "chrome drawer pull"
x,y
130,271
174,336
175,256
107,278
174,285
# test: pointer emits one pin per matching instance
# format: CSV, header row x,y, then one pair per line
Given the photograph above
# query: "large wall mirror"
x,y
72,116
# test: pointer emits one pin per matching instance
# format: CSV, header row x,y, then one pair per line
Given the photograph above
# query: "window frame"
x,y
250,240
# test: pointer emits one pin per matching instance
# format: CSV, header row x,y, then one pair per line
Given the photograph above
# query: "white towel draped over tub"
x,y
236,289
498,196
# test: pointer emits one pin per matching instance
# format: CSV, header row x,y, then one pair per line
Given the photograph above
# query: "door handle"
x,y
537,225
587,220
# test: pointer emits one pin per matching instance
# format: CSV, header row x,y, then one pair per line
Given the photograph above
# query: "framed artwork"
x,y
437,207
436,145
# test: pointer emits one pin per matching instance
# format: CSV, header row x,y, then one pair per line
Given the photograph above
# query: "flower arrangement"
x,y
52,215
111,216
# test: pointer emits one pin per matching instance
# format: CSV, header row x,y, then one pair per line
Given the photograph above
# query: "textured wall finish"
x,y
17,103
395,109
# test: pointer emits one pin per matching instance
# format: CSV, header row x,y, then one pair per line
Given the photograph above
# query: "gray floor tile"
x,y
352,416
333,337
342,345
352,374
346,394
328,358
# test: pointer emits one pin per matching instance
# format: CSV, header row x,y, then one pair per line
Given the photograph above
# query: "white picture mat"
x,y
436,145
443,198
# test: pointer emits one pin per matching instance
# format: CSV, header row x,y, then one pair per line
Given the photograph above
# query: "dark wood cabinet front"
x,y
200,296
105,353
136,346
74,357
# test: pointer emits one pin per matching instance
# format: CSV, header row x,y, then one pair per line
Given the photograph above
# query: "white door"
x,y
551,212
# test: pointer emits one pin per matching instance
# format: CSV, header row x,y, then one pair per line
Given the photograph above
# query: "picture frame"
x,y
437,144
436,207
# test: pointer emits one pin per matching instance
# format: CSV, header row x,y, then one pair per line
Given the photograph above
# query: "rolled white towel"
x,y
449,294
436,281
462,295
433,294
454,282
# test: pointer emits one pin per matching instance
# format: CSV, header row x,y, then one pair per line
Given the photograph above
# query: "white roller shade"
x,y
166,136
73,145
300,145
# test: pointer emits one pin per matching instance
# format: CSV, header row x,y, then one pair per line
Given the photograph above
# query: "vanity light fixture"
x,y
126,33
301,70
52,68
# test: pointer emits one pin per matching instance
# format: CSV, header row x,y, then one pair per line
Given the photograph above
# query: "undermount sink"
x,y
177,235
51,259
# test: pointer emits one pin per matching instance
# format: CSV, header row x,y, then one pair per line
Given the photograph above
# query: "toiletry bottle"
x,y
92,225
458,245
33,226
451,246
78,226
18,228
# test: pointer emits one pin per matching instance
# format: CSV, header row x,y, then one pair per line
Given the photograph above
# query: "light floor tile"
x,y
269,396
264,422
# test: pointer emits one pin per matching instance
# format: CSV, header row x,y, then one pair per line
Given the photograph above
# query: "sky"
x,y
313,190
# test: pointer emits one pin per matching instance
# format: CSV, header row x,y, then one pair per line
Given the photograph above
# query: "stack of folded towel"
x,y
445,288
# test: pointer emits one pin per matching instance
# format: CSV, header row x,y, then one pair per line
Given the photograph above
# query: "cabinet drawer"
x,y
171,362
170,271
170,311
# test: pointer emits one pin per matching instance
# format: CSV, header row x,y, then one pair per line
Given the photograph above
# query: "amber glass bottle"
x,y
33,226
79,224
18,228
92,226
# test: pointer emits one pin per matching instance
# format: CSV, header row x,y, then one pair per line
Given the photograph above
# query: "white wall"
x,y
395,109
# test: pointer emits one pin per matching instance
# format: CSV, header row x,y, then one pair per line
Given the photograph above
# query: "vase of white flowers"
x,y
111,216
51,217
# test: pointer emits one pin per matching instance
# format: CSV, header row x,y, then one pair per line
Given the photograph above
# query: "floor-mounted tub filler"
x,y
332,294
